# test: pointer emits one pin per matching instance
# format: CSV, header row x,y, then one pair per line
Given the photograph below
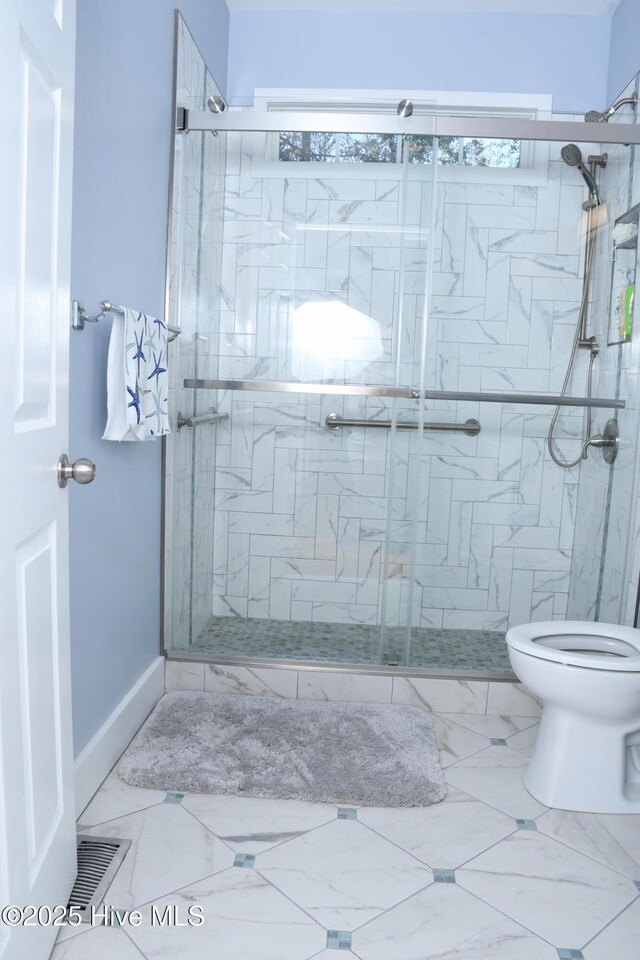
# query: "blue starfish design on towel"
x,y
158,412
135,400
139,355
157,370
149,342
137,378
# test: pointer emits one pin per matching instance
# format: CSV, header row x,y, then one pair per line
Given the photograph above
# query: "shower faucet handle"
x,y
608,441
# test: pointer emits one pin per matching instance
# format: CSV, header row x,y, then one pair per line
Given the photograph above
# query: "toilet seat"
x,y
595,646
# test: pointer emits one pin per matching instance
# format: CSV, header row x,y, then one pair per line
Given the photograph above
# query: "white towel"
x,y
137,379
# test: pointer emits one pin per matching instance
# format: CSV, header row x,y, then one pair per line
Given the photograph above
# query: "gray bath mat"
x,y
362,754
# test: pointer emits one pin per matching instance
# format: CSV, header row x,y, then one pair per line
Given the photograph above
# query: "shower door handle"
x,y
82,471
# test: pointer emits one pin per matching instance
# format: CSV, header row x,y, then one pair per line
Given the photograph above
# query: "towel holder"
x,y
79,316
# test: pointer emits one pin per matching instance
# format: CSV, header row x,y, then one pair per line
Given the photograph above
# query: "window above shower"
x,y
329,155
299,147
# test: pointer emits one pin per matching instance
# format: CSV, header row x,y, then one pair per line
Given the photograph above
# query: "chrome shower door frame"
x,y
425,124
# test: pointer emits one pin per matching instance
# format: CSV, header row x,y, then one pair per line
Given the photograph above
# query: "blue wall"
x,y
624,55
121,181
564,56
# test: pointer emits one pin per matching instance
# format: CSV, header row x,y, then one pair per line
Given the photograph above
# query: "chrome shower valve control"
x,y
82,470
608,441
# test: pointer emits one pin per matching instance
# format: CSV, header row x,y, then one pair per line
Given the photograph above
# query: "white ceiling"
x,y
591,8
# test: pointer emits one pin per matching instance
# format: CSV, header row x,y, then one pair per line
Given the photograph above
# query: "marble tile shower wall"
x,y
300,512
604,579
194,304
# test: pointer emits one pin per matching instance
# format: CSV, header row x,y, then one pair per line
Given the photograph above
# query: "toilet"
x,y
587,677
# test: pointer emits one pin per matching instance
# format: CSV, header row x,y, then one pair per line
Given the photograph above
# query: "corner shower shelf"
x,y
624,269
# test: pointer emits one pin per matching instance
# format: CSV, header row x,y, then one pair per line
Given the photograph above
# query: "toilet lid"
x,y
599,646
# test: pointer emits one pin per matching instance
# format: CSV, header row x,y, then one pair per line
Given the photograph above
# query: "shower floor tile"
x,y
481,650
316,884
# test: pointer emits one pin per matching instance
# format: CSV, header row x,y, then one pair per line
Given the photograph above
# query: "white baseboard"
x,y
100,754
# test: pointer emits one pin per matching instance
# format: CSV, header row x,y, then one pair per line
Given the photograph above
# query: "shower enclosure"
x,y
378,310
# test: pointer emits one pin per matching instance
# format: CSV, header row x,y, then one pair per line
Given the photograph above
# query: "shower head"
x,y
572,156
595,116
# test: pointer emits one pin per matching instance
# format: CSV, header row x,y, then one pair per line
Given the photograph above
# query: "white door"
x,y
37,832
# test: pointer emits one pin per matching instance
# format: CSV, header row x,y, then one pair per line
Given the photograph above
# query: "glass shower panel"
x,y
289,577
193,305
513,537
604,576
323,281
408,491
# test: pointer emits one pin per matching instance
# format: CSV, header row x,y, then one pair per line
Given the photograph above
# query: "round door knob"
x,y
82,470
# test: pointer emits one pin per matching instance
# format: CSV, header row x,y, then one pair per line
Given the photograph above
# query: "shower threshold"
x,y
483,651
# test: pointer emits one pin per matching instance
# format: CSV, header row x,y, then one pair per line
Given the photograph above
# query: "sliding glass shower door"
x,y
363,476
515,534
324,282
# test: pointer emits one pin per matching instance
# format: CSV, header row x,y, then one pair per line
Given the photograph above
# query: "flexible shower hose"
x,y
580,327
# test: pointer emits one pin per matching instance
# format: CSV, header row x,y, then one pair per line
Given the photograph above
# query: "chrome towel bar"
x,y
79,316
334,421
198,421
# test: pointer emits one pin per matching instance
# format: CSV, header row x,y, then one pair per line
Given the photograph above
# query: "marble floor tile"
x,y
343,874
525,741
447,923
115,798
547,887
100,943
334,954
248,825
344,686
183,675
256,681
245,918
445,834
613,840
490,725
518,895
169,849
67,932
618,941
495,776
465,696
456,742
512,699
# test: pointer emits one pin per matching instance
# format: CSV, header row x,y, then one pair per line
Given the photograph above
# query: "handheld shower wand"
x,y
572,156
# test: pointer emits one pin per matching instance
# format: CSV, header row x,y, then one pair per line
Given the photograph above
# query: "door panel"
x,y
37,815
37,242
38,653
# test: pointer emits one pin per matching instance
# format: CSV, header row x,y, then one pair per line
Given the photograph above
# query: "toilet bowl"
x,y
587,677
